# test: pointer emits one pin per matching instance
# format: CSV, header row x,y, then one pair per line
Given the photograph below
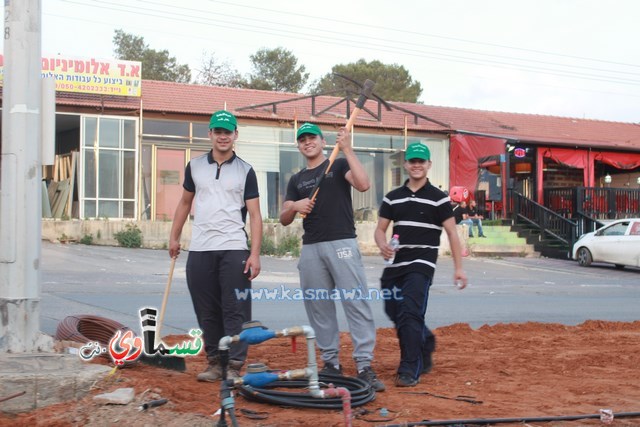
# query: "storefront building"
x,y
129,152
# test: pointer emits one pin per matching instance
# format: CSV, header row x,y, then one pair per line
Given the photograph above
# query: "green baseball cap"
x,y
417,150
223,119
308,128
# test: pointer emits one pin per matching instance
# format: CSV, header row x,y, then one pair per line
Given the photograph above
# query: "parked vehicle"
x,y
617,243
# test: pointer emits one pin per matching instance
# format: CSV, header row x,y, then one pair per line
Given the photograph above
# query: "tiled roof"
x,y
181,98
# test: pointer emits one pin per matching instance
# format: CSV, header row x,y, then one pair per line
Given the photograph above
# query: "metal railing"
x,y
589,206
550,223
587,224
594,202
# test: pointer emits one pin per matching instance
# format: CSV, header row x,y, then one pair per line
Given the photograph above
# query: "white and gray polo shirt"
x,y
220,194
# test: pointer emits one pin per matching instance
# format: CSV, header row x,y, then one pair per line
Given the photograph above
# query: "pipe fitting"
x,y
225,342
305,330
294,374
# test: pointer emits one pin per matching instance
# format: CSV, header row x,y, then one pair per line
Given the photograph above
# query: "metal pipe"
x,y
346,401
312,364
483,421
259,378
153,404
11,396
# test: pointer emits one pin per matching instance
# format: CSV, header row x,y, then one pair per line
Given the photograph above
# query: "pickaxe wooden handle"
x,y
367,89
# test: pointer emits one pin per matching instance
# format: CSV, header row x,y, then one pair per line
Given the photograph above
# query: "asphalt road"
x,y
116,282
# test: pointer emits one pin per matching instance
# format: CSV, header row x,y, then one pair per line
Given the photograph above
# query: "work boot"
x,y
369,376
405,380
331,369
212,373
233,370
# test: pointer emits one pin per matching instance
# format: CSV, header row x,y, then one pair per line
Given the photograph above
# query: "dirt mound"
x,y
501,371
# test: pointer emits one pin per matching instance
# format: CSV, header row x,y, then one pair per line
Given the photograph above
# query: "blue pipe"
x,y
256,335
259,379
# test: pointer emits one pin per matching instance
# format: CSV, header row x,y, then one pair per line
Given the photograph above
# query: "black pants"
x,y
407,313
215,278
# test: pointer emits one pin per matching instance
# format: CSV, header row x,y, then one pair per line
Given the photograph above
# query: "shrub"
x,y
87,239
288,245
268,246
130,237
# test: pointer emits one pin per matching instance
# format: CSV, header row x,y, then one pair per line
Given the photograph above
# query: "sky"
x,y
572,58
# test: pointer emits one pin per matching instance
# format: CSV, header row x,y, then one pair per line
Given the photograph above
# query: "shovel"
x,y
175,363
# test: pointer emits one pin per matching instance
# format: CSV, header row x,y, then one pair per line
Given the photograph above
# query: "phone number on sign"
x,y
89,88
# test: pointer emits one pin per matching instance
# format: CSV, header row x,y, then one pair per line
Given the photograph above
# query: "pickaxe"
x,y
365,93
361,86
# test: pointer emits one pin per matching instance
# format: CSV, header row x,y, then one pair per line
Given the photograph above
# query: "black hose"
x,y
361,393
483,421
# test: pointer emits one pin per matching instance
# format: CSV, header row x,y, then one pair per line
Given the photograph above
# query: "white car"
x,y
617,243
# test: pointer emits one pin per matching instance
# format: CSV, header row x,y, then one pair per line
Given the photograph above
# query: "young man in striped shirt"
x,y
419,212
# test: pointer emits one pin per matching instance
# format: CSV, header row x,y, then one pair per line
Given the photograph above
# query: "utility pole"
x,y
21,180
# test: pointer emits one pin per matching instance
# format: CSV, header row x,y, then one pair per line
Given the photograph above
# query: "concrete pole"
x,y
21,180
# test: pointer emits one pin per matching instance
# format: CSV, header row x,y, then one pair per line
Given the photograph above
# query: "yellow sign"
x,y
103,76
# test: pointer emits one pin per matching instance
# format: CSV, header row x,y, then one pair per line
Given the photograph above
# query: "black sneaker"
x,y
331,369
369,376
427,363
405,380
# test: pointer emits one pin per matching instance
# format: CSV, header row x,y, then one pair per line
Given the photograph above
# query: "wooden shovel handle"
x,y
164,300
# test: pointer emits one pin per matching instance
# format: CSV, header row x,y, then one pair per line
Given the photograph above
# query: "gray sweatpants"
x,y
335,268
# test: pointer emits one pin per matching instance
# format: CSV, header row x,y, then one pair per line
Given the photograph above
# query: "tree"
x,y
215,72
277,70
156,65
393,82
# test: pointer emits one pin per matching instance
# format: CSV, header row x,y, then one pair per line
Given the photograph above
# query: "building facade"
x,y
130,152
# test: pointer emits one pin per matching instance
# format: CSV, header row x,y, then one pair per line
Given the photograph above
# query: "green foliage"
x,y
87,239
130,237
277,70
156,65
98,235
215,72
289,245
268,246
393,82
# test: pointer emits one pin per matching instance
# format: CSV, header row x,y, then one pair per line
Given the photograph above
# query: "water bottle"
x,y
395,244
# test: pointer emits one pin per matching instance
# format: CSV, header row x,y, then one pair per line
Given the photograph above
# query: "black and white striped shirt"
x,y
417,219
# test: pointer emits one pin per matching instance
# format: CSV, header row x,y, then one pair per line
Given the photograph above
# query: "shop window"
x,y
166,128
108,189
200,130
